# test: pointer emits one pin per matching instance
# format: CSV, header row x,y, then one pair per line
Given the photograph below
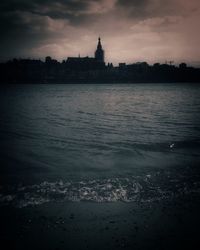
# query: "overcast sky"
x,y
131,30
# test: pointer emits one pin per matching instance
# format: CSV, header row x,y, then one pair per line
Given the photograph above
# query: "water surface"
x,y
110,142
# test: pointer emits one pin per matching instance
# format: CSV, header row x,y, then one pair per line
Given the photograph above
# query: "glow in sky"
x,y
131,30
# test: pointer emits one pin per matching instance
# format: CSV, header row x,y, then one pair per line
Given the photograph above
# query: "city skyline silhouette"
x,y
131,30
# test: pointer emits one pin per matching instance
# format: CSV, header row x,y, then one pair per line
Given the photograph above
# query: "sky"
x,y
131,30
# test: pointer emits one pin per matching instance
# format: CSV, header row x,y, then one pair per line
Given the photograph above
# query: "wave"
x,y
133,189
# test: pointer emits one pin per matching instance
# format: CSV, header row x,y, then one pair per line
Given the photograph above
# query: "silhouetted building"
x,y
182,65
122,65
93,70
49,60
81,63
87,63
99,53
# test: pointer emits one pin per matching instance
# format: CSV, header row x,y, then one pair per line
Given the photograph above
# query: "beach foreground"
x,y
169,224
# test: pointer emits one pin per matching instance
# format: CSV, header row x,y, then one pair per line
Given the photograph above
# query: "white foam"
x,y
101,190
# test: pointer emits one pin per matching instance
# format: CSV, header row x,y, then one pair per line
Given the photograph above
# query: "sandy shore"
x,y
168,224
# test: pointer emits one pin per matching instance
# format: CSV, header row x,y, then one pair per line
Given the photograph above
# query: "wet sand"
x,y
168,224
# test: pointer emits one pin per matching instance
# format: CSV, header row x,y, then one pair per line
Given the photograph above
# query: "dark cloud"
x,y
132,3
46,6
63,27
142,9
10,5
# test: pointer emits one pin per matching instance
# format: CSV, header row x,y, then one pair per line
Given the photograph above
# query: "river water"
x,y
100,143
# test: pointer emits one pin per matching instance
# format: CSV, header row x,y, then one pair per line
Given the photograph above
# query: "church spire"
x,y
99,46
99,53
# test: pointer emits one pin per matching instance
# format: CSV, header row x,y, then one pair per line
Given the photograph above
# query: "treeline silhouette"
x,y
84,70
